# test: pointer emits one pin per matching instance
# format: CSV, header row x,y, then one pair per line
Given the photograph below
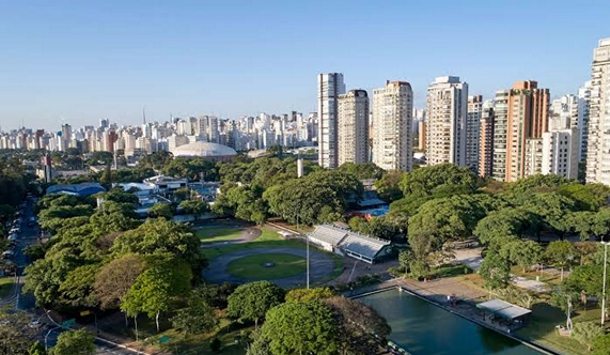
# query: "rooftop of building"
x,y
349,240
203,149
84,189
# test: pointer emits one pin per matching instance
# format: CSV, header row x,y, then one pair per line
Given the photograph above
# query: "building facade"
x,y
598,148
563,113
330,86
500,122
473,131
560,153
532,159
392,121
352,127
421,132
486,140
446,107
527,118
584,103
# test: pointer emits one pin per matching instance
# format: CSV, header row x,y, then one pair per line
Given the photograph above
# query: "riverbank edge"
x,y
401,288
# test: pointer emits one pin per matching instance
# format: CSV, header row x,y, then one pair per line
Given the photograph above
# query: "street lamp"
x,y
307,238
605,244
307,250
46,337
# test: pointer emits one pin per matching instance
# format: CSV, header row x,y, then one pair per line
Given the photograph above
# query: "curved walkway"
x,y
321,266
246,235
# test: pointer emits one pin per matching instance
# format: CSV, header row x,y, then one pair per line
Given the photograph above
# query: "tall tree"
x,y
361,328
439,181
523,253
116,278
16,336
196,317
74,342
251,301
309,294
561,254
160,236
495,270
161,210
155,289
301,328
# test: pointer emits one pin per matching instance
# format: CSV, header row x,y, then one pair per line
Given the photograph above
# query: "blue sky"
x,y
79,61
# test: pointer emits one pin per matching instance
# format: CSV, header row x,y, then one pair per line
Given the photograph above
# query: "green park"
x,y
230,279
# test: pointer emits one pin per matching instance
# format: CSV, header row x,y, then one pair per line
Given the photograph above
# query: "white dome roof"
x,y
203,149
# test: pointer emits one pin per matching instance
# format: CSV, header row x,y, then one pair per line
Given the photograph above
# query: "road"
x,y
26,302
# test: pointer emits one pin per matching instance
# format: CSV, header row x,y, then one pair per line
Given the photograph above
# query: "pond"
x,y
423,328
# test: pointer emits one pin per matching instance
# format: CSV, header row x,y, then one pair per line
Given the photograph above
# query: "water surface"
x,y
423,328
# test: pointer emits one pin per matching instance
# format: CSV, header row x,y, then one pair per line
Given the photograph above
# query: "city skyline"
x,y
72,64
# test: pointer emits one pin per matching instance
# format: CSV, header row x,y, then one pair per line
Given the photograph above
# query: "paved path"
x,y
321,265
246,235
469,257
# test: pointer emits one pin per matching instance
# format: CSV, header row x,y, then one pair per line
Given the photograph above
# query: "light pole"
x,y
46,338
306,253
604,282
307,237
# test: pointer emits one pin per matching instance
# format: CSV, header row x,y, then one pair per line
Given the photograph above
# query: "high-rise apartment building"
x,y
527,118
473,131
486,140
563,113
330,86
532,159
584,103
421,141
560,153
598,148
392,121
446,107
352,127
500,107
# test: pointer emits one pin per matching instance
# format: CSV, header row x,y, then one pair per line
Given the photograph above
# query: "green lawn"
x,y
253,267
6,285
270,239
450,270
218,234
228,332
541,328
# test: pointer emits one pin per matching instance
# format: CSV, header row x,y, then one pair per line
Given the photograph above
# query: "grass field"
x,y
218,234
229,333
6,285
253,267
541,328
270,239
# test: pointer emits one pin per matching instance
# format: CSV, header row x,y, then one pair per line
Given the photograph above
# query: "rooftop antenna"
x,y
144,114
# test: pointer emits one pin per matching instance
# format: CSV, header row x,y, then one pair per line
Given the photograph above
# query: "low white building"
x,y
345,242
165,183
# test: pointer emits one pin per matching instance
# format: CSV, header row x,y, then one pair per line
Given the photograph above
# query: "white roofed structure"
x,y
345,242
208,150
513,315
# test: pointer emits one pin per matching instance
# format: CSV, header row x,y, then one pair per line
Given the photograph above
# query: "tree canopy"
x,y
74,342
301,328
251,301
